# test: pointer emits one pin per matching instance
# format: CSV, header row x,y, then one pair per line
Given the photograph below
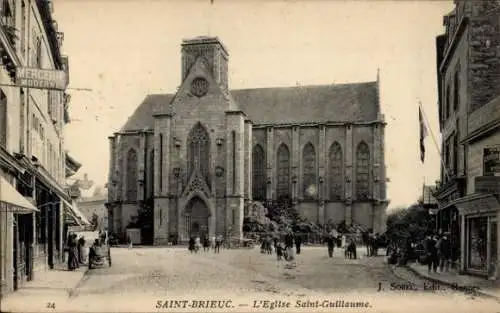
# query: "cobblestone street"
x,y
145,279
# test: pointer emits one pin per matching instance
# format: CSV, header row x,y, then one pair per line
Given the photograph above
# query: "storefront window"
x,y
477,243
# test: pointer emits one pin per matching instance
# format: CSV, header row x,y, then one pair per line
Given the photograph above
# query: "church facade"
x,y
199,156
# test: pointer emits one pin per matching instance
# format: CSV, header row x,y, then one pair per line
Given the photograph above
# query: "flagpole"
x,y
433,137
210,17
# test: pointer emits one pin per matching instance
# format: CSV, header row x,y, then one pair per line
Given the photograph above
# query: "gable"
x,y
214,93
358,102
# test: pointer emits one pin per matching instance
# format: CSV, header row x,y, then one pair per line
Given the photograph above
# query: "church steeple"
x,y
214,53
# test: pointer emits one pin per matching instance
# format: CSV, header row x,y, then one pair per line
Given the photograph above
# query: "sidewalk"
x,y
481,285
58,283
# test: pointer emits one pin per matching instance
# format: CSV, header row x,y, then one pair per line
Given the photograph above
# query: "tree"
x,y
253,225
283,212
412,223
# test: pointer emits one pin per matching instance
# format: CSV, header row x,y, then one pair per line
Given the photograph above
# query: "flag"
x,y
423,134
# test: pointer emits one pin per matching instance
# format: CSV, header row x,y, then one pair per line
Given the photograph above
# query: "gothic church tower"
x,y
203,149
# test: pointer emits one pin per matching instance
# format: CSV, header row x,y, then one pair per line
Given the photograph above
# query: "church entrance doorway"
x,y
197,218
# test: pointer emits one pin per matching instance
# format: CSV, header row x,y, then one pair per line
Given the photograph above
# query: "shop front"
x,y
480,225
16,227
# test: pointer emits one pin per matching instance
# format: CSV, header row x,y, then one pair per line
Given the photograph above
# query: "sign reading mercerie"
x,y
41,78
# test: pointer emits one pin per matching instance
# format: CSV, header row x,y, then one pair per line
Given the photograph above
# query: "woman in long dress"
x,y
73,253
197,244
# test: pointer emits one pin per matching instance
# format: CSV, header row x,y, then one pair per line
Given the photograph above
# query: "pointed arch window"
x,y
151,173
362,171
335,170
283,161
309,171
259,173
198,151
132,175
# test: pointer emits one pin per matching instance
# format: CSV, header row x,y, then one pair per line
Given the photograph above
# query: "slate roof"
x,y
143,116
342,103
356,102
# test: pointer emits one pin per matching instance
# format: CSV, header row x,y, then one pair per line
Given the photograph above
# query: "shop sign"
x,y
491,161
41,78
487,184
481,205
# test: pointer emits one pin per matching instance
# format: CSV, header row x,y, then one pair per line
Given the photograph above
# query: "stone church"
x,y
199,156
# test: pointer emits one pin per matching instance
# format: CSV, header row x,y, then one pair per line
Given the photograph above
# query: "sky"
x,y
125,49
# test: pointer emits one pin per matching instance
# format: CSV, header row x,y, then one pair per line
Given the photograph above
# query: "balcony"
x,y
487,184
8,36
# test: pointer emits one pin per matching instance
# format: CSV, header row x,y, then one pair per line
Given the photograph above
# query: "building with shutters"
x,y
468,67
198,156
34,204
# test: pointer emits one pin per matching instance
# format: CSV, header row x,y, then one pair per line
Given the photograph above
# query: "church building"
x,y
200,156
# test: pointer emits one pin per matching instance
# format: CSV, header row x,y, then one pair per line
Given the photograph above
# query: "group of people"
x,y
435,250
438,252
76,251
283,245
196,243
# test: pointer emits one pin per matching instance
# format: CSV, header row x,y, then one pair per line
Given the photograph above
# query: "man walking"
x,y
331,243
298,242
444,253
432,257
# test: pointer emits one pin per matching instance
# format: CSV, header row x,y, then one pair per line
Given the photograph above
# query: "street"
x,y
148,279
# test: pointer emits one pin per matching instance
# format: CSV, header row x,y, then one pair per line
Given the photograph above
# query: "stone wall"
x,y
484,52
475,158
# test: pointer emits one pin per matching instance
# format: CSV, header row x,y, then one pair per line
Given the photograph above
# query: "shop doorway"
x,y
22,249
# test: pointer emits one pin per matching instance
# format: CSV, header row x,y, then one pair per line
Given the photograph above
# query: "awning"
x,y
74,214
477,203
12,201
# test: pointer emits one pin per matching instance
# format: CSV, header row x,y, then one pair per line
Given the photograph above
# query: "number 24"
x,y
51,305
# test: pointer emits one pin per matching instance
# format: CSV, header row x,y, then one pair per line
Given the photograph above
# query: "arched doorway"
x,y
197,217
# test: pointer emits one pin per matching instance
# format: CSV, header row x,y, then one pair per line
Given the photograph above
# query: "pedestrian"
x,y
197,244
444,253
279,251
129,242
73,253
269,245
375,244
298,242
212,241
331,244
191,245
218,243
206,244
81,250
431,252
366,241
263,245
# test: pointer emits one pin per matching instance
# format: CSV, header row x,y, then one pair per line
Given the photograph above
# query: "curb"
x,y
442,282
72,292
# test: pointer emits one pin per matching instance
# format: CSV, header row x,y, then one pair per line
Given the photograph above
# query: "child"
x,y
279,251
